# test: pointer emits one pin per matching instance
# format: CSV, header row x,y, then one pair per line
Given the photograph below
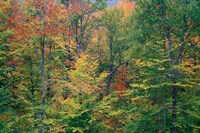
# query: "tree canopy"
x,y
76,66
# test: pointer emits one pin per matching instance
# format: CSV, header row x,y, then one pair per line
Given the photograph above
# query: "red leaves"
x,y
12,63
34,18
10,20
120,86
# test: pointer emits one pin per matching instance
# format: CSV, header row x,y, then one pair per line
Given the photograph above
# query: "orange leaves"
x,y
195,40
127,7
77,6
67,63
2,4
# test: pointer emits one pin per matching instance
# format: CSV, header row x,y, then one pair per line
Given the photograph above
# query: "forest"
x,y
99,66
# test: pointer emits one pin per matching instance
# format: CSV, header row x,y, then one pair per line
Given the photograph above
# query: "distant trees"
x,y
82,19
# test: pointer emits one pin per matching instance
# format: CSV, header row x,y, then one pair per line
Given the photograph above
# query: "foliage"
x,y
79,66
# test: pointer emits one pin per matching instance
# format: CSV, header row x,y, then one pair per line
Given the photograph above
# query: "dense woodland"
x,y
81,66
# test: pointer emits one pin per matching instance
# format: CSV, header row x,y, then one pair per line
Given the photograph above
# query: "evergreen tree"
x,y
165,28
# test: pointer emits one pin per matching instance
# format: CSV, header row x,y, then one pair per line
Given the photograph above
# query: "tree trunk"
x,y
43,85
49,91
32,81
174,111
108,83
11,81
109,78
174,76
164,120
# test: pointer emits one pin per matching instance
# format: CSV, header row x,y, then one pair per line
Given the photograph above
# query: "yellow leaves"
x,y
102,77
77,130
161,68
5,117
70,104
85,78
116,113
182,84
159,60
141,86
61,43
144,63
186,67
85,68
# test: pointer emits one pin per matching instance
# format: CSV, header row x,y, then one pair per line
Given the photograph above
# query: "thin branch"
x,y
113,71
